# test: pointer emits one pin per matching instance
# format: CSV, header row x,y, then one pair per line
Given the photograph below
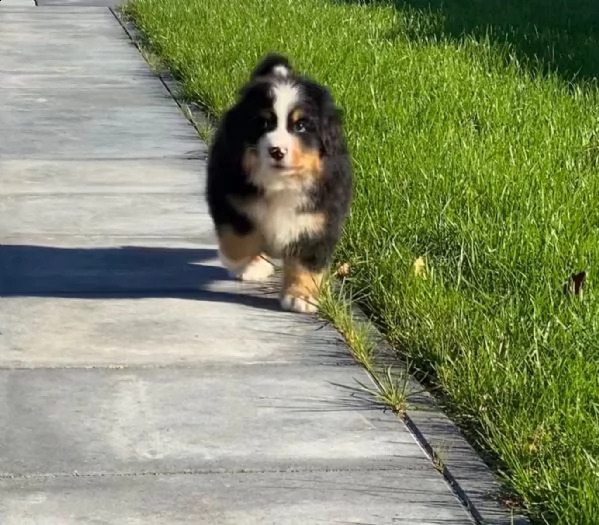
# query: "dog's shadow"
x,y
125,272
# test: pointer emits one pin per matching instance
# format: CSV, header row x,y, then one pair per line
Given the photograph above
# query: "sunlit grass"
x,y
466,158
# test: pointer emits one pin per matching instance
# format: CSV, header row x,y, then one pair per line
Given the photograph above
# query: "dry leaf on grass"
x,y
419,268
343,270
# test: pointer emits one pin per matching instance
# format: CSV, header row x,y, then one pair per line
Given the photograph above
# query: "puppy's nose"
x,y
276,153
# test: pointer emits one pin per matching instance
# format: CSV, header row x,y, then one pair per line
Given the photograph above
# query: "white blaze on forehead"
x,y
286,97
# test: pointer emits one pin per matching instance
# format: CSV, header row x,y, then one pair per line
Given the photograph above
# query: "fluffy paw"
x,y
303,305
234,267
259,269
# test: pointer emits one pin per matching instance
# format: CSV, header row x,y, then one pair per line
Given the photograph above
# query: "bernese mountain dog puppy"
x,y
279,181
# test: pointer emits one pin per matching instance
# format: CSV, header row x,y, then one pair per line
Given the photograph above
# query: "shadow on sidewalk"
x,y
127,272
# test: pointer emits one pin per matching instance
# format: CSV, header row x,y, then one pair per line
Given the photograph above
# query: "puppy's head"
x,y
286,125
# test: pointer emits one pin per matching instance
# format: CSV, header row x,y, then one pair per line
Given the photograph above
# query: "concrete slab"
x,y
80,3
97,331
83,240
16,13
17,3
103,123
68,306
57,68
17,9
284,498
97,66
24,30
19,47
217,418
100,52
103,177
119,215
75,76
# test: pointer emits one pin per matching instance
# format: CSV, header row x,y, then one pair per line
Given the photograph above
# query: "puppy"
x,y
280,181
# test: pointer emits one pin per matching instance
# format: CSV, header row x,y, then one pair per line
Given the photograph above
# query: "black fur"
x,y
268,63
241,127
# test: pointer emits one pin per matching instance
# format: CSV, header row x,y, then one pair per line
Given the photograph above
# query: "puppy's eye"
x,y
264,121
300,126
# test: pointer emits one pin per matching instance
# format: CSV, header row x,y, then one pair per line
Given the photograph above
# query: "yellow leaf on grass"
x,y
419,268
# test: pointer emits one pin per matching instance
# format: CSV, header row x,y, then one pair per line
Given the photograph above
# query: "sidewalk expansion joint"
x,y
7,476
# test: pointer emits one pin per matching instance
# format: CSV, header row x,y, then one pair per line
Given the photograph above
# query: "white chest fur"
x,y
277,217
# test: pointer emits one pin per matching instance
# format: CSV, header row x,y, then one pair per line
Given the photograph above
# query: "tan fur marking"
x,y
296,115
250,161
300,282
306,162
240,250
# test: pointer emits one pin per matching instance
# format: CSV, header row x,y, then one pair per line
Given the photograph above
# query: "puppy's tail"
x,y
272,64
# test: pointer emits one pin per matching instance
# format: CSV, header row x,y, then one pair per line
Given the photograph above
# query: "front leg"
x,y
241,254
305,264
301,286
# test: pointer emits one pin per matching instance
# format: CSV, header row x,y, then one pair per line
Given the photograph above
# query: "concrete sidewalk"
x,y
138,383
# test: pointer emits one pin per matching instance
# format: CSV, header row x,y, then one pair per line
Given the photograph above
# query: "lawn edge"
x,y
477,487
473,482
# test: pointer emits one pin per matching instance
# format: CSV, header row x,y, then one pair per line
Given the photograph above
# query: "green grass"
x,y
476,148
389,384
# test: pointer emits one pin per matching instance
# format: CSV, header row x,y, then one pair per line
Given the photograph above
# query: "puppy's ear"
x,y
230,129
331,130
272,64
